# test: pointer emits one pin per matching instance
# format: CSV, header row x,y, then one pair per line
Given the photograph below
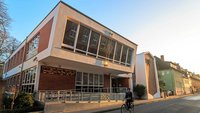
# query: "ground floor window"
x,y
28,80
89,81
28,88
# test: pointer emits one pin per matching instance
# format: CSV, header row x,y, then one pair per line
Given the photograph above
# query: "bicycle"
x,y
125,109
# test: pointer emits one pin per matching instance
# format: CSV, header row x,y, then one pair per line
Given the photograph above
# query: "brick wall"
x,y
52,81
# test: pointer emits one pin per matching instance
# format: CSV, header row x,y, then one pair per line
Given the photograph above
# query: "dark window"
x,y
94,40
100,79
83,37
123,59
70,33
103,47
90,79
79,78
110,48
118,51
85,78
96,79
130,52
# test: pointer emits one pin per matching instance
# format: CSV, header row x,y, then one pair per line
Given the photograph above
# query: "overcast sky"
x,y
162,27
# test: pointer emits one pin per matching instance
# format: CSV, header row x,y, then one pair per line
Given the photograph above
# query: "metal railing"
x,y
80,95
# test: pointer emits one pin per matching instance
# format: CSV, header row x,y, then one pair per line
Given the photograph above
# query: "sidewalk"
x,y
96,107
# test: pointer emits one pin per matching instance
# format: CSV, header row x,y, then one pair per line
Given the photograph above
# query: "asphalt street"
x,y
190,104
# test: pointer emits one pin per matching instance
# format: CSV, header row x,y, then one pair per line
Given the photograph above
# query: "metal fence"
x,y
86,95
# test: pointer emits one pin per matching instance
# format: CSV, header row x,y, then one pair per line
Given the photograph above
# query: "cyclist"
x,y
129,98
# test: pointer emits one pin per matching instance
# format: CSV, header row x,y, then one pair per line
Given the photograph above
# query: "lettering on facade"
x,y
57,71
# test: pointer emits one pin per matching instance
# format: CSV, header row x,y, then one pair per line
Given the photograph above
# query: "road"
x,y
190,104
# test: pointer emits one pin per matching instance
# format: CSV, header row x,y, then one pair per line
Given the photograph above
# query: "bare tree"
x,y
7,43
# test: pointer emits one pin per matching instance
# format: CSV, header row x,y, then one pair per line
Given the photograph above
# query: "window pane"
x,y
110,48
124,54
78,78
83,38
103,46
85,78
118,51
100,79
90,79
95,79
130,52
70,33
94,40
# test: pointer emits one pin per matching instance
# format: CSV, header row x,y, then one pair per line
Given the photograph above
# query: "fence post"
x,y
90,98
99,97
58,95
70,96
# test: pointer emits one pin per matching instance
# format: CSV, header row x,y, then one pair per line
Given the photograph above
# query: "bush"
x,y
139,90
7,100
23,103
23,100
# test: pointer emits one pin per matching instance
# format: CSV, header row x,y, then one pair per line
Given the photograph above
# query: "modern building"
x,y
146,74
172,75
69,50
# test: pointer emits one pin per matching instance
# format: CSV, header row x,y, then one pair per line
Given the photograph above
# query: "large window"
x,y
90,42
129,58
118,51
28,80
103,47
33,47
89,79
94,40
83,37
70,33
124,52
110,48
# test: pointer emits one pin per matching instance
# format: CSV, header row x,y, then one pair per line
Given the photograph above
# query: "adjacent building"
x,y
69,50
173,76
146,74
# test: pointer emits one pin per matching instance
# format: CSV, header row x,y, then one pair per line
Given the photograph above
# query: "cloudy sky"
x,y
162,27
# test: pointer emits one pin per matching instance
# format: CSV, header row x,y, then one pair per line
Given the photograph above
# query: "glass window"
x,y
83,37
124,52
110,48
96,79
32,47
94,40
70,33
79,78
85,78
103,46
130,53
90,79
118,51
100,79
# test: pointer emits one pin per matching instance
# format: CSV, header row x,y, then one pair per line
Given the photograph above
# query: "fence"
x,y
86,95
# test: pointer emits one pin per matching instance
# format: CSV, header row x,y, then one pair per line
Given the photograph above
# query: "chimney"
x,y
162,58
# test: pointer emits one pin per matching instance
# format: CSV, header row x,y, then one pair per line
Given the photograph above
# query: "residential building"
x,y
172,75
146,74
195,82
69,50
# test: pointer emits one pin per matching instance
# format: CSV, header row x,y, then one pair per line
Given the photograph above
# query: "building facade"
x,y
69,50
173,76
146,74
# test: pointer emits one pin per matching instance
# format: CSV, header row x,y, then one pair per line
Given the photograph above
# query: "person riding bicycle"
x,y
129,97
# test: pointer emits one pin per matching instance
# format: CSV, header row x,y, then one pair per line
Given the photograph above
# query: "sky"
x,y
162,27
